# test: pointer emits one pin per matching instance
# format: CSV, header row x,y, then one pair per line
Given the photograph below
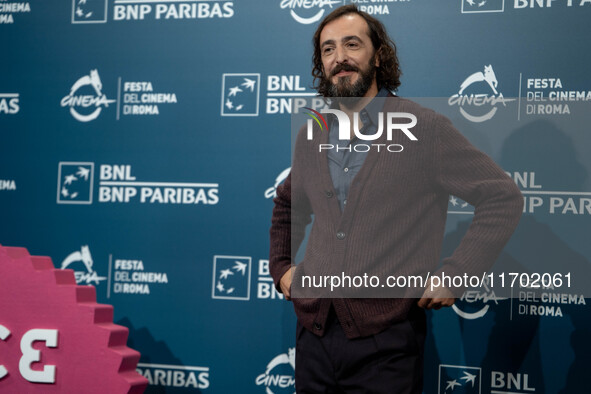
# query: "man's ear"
x,y
377,57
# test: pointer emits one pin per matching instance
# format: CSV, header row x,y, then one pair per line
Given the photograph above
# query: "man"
x,y
377,211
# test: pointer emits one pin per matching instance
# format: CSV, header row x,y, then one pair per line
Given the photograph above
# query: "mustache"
x,y
343,67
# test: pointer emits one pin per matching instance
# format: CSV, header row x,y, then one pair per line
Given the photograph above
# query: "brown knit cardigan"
x,y
393,223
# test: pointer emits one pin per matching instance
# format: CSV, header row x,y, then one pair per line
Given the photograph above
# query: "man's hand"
x,y
436,297
285,284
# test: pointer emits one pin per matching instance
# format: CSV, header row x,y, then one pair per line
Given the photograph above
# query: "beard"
x,y
343,90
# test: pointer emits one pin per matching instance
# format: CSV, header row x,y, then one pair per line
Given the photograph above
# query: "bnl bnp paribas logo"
x,y
458,379
9,103
463,379
231,277
118,185
477,6
89,11
285,94
75,181
478,98
240,94
95,11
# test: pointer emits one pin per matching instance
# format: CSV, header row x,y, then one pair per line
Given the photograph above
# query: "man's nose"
x,y
340,54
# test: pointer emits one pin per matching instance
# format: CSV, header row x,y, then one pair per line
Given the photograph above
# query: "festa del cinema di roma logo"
x,y
279,374
86,99
475,303
307,12
314,16
474,99
272,191
83,256
345,129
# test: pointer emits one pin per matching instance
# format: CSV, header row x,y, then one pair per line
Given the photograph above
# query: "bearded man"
x,y
381,210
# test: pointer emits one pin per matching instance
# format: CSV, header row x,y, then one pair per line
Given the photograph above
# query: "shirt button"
x,y
317,326
341,235
345,202
346,169
329,194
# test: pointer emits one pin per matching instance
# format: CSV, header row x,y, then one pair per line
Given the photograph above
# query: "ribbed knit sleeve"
x,y
288,227
465,172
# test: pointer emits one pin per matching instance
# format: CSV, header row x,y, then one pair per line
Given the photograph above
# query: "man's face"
x,y
348,57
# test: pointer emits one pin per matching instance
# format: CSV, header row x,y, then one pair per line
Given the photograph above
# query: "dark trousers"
x,y
388,362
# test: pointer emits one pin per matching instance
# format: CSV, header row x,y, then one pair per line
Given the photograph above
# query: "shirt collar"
x,y
376,105
373,107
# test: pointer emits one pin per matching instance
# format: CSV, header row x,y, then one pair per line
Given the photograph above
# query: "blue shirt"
x,y
344,163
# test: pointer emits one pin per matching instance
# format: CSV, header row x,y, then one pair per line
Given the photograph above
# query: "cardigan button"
x,y
317,326
329,194
341,235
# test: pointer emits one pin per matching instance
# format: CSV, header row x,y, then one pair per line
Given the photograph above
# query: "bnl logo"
x,y
74,182
89,11
231,277
457,379
477,6
240,94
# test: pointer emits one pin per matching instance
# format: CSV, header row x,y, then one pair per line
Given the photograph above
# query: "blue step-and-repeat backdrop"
x,y
141,142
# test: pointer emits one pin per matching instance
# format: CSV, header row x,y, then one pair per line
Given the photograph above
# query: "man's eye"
x,y
352,45
326,51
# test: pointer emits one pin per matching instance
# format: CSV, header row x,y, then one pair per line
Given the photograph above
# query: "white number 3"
x,y
30,355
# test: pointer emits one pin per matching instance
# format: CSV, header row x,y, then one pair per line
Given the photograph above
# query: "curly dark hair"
x,y
387,74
